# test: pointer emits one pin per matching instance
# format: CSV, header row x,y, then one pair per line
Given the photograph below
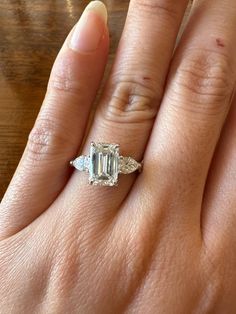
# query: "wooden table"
x,y
31,33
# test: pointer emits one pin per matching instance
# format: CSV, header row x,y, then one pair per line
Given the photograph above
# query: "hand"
x,y
163,241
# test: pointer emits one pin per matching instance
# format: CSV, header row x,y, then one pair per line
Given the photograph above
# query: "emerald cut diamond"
x,y
104,164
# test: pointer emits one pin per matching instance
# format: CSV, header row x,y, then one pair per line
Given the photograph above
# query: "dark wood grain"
x,y
31,33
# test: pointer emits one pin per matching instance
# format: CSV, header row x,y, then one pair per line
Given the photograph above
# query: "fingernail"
x,y
90,29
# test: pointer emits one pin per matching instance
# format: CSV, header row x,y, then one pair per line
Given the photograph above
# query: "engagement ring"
x,y
104,164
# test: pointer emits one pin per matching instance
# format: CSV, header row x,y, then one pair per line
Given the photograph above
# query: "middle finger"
x,y
197,99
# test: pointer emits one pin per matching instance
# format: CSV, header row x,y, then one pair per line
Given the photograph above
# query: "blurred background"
x,y
31,33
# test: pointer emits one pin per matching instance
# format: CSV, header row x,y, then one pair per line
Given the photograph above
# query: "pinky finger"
x,y
59,128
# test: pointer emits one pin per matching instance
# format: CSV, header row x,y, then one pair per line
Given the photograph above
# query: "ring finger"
x,y
132,94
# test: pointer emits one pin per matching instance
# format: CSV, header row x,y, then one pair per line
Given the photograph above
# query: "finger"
x,y
194,108
219,207
133,92
59,128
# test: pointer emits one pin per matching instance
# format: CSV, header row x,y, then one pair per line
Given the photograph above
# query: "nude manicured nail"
x,y
90,29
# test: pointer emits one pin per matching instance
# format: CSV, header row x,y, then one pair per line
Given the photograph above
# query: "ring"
x,y
104,164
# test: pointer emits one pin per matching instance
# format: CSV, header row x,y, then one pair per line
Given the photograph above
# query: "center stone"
x,y
103,169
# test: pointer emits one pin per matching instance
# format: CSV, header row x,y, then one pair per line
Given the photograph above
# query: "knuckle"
x,y
131,101
204,78
64,84
63,79
46,140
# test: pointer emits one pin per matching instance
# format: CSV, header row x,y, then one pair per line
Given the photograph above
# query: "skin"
x,y
162,241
